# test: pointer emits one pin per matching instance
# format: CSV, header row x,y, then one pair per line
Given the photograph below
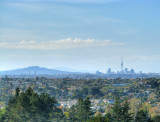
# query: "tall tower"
x,y
122,64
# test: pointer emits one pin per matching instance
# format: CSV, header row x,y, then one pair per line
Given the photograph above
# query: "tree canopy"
x,y
29,106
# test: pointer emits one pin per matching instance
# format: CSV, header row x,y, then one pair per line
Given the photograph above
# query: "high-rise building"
x,y
122,65
126,70
98,72
132,71
109,71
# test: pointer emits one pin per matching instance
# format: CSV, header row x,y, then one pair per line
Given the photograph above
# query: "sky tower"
x,y
122,65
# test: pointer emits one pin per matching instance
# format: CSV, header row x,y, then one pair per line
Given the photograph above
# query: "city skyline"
x,y
124,70
82,35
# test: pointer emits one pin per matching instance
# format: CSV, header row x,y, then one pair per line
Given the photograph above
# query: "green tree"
x,y
97,119
2,115
83,109
72,113
29,106
117,110
126,115
156,118
87,108
17,91
80,109
141,116
108,117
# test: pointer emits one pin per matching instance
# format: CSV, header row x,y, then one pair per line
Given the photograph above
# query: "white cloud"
x,y
59,44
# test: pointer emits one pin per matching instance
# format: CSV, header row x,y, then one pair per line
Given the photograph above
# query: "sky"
x,y
85,35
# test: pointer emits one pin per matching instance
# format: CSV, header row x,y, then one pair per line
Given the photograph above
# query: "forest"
x,y
40,99
31,107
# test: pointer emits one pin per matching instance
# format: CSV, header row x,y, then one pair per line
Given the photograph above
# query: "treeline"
x,y
95,88
29,106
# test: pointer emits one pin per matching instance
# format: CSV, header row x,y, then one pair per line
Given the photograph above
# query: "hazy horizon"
x,y
81,35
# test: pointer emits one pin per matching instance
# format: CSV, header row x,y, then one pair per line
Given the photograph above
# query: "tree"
x,y
135,105
82,109
98,114
29,106
17,91
95,91
97,119
141,116
126,116
108,117
117,110
87,107
156,118
2,114
72,113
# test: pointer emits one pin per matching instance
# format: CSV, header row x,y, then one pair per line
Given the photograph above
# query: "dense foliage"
x,y
35,99
29,106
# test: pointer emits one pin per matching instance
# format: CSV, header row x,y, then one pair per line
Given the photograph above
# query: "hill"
x,y
35,70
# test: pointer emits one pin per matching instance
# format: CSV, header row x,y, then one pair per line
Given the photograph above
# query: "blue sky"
x,y
80,34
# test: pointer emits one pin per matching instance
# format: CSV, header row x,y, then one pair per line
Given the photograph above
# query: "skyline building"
x,y
122,65
123,69
109,71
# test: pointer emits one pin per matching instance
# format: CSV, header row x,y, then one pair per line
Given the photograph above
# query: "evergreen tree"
x,y
141,116
117,110
29,106
97,119
83,109
108,117
126,116
87,107
72,113
156,118
17,91
80,109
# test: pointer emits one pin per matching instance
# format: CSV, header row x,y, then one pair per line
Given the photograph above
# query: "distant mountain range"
x,y
32,70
